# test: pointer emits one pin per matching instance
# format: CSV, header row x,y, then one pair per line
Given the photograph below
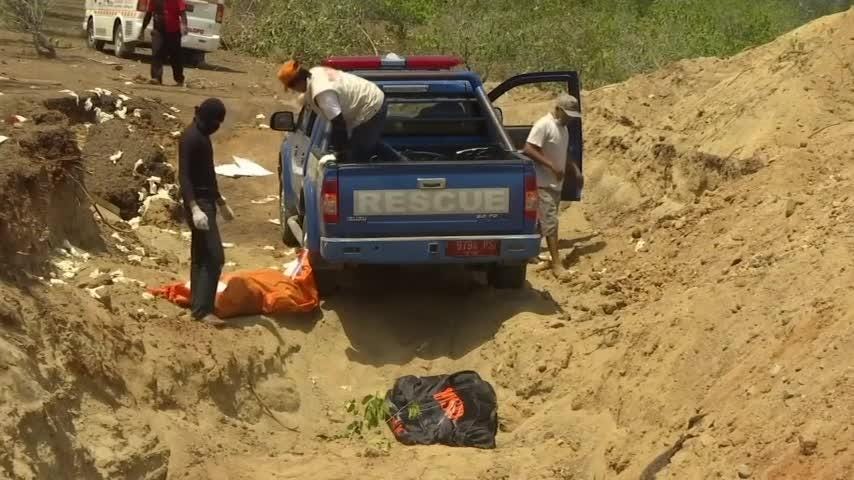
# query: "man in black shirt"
x,y
201,196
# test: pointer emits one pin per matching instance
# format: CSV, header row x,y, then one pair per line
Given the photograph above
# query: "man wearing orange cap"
x,y
356,108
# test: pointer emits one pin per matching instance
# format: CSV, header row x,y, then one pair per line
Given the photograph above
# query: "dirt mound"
x,y
721,190
681,131
134,138
43,200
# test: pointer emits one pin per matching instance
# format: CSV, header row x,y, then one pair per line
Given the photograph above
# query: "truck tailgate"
x,y
436,198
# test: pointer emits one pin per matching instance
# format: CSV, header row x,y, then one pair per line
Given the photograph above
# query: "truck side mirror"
x,y
500,114
283,122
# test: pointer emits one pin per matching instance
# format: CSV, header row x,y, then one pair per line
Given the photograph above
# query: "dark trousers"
x,y
206,260
366,140
166,47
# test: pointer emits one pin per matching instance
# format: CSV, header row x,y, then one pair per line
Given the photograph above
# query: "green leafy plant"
x,y
373,413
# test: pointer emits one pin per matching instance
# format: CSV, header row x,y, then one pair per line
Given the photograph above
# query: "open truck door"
x,y
519,133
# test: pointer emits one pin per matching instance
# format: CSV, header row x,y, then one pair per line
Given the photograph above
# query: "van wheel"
x,y
508,277
122,50
91,41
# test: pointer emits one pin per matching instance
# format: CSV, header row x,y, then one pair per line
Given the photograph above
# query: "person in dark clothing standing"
x,y
202,200
170,26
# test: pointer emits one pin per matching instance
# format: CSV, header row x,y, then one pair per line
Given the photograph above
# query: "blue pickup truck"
x,y
461,194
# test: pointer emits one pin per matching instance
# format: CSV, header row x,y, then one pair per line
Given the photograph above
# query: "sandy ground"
x,y
710,300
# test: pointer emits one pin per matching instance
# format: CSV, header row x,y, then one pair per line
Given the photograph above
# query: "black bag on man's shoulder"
x,y
459,410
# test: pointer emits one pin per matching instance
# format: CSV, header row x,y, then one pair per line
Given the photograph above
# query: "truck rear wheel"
x,y
285,212
507,277
325,278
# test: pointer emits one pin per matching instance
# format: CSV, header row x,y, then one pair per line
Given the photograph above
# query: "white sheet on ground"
x,y
242,167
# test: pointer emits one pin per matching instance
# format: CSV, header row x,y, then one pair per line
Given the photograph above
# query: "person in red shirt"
x,y
170,25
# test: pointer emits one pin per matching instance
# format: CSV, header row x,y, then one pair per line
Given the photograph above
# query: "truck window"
x,y
431,116
305,122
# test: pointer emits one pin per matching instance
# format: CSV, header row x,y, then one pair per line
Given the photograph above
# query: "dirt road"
x,y
712,273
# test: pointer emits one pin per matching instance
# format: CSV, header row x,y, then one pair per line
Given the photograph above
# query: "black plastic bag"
x,y
459,410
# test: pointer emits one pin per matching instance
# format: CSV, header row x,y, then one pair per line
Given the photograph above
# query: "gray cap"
x,y
569,105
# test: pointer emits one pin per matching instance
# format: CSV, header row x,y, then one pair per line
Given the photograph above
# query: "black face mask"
x,y
210,115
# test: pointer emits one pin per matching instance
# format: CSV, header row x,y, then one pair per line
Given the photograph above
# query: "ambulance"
x,y
118,22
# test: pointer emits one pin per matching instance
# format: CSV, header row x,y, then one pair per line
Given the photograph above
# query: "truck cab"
x,y
461,194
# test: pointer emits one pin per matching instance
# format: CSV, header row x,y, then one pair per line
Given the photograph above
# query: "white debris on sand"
x,y
275,221
118,276
268,199
270,248
3,139
73,94
161,195
176,133
103,116
115,236
100,91
95,292
88,105
137,113
227,245
174,109
169,117
153,184
136,166
75,260
116,157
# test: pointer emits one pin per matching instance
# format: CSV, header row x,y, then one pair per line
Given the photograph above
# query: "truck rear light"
x,y
220,12
141,5
532,199
329,198
393,62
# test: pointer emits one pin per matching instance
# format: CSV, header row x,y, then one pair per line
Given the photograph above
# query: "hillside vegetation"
x,y
607,40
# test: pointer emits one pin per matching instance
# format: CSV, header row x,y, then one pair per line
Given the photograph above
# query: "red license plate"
x,y
473,248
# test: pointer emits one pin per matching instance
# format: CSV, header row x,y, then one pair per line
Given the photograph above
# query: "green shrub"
x,y
606,40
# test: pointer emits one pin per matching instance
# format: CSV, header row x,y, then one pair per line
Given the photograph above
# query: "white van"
x,y
118,22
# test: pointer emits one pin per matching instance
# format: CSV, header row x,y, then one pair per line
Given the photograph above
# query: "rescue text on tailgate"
x,y
452,201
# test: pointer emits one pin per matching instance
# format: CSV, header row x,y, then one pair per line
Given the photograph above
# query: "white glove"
x,y
226,212
200,219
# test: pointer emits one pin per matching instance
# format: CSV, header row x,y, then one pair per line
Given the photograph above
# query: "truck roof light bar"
x,y
393,62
